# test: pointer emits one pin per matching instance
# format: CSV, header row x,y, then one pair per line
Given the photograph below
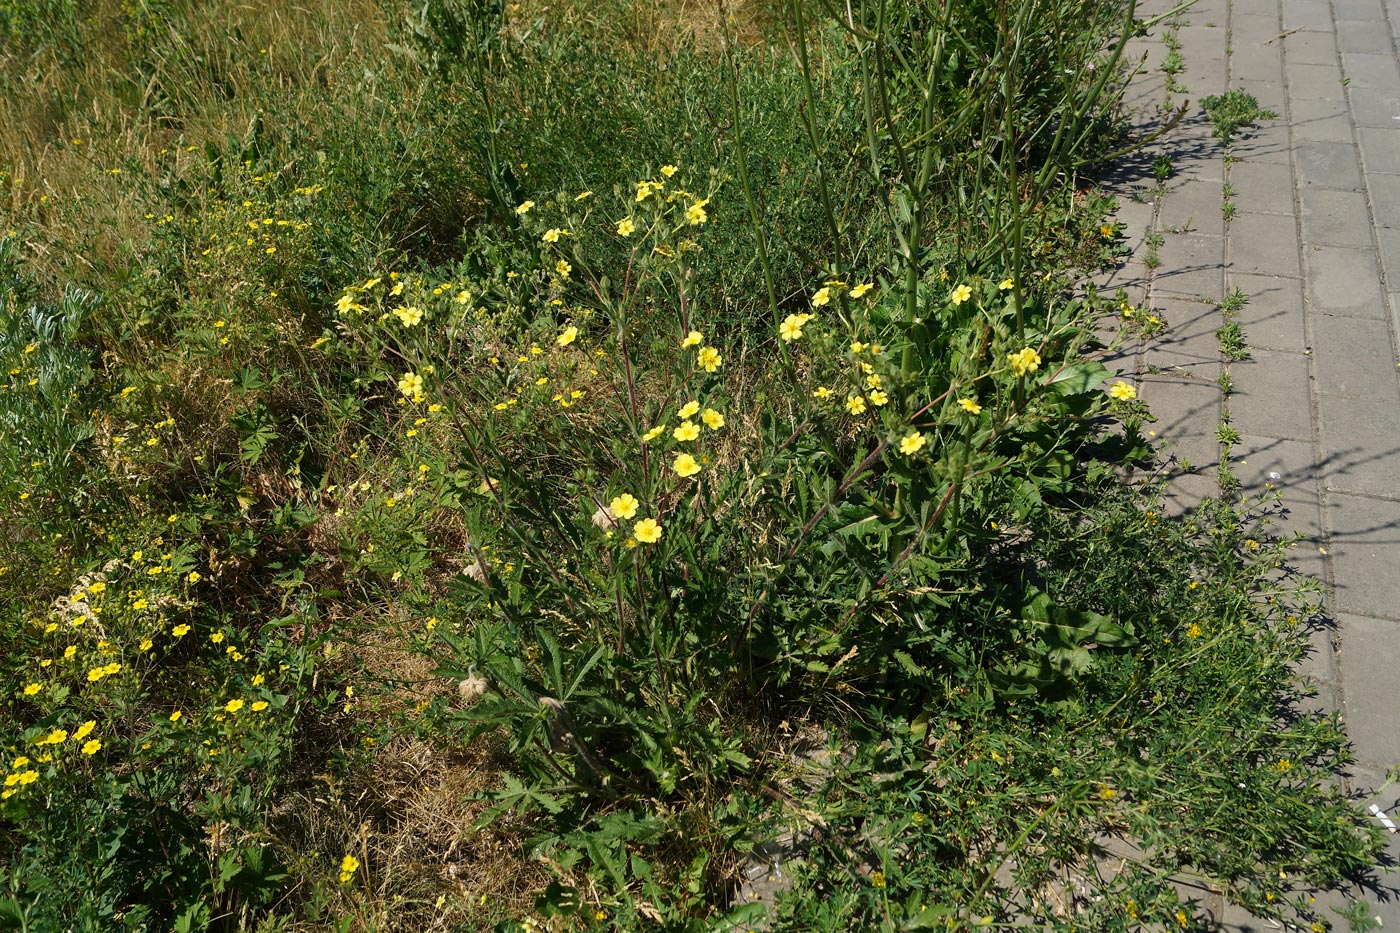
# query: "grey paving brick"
x,y
1255,8
1368,10
1344,281
1353,358
1188,347
1313,80
1272,95
1327,165
1363,540
1132,277
1389,240
1263,244
1256,62
1271,395
1280,463
1192,264
1320,120
1335,218
1310,48
1263,187
1193,206
1187,413
1370,656
1256,30
1376,108
1362,36
1385,198
1186,491
1362,440
1266,143
1377,72
1306,14
1380,149
1273,317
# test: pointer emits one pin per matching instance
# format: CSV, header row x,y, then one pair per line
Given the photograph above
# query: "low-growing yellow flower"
x,y
624,506
686,431
960,294
860,290
553,234
713,419
1006,284
563,268
791,327
524,208
822,297
233,706
912,443
567,336
821,392
82,731
625,227
689,410
686,465
1024,361
409,315
175,716
92,747
855,404
1122,391
654,433
259,706
411,384
693,339
878,398
970,406
695,214
709,359
32,689
648,530
180,630
348,866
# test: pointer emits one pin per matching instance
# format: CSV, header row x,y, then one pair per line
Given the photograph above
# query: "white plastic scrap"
x,y
1386,821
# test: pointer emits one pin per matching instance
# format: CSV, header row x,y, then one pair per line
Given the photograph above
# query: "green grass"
x,y
366,566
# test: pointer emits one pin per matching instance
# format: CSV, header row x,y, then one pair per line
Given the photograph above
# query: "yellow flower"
x,y
1106,230
686,431
568,336
175,716
960,294
689,410
624,506
1194,631
217,637
411,384
93,747
686,465
524,208
233,706
654,433
791,328
822,296
668,170
259,706
53,738
409,315
563,269
709,359
695,214
180,630
28,777
625,227
713,419
860,290
878,398
82,731
970,406
855,404
1024,361
32,689
348,866
821,392
1006,284
553,234
912,443
648,530
96,674
693,339
1122,391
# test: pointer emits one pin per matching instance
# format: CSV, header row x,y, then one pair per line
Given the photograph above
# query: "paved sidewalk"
x,y
1313,240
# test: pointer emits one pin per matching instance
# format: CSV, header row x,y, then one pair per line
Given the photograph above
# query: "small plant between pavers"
x,y
1232,111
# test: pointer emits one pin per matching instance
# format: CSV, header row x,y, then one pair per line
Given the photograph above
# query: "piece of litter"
x,y
1386,821
1275,475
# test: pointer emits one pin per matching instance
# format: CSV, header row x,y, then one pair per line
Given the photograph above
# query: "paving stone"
x,y
1273,316
1191,265
1376,72
1379,109
1186,491
1263,187
1187,413
1344,281
1385,199
1369,10
1253,62
1272,95
1361,36
1380,149
1264,244
1193,206
1271,395
1306,14
1256,30
1314,81
1389,240
1363,537
1255,8
1370,656
1310,48
1266,143
1335,218
1327,165
1362,440
1132,277
1353,358
1320,120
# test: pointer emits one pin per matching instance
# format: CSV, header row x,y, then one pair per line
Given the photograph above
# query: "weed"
x,y
1233,345
1232,111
